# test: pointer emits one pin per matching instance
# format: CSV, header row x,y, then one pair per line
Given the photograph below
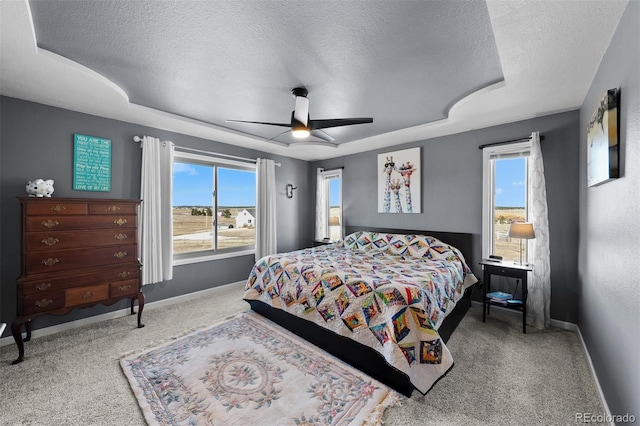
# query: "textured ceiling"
x,y
421,69
402,63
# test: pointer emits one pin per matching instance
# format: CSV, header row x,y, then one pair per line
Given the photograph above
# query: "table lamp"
x,y
521,230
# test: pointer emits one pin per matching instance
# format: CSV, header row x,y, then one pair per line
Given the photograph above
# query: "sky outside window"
x,y
334,192
510,182
193,186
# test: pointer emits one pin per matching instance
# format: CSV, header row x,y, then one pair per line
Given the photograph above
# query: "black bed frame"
x,y
362,357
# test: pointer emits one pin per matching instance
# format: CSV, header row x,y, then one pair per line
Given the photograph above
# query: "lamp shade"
x,y
522,230
334,221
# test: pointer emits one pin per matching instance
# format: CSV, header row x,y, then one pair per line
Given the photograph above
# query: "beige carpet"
x,y
500,376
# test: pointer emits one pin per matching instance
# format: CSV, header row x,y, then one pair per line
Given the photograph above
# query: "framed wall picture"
x,y
603,145
91,163
399,180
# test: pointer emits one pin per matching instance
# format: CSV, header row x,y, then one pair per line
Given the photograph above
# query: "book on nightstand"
x,y
499,296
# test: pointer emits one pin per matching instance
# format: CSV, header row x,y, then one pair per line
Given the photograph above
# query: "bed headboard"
x,y
468,244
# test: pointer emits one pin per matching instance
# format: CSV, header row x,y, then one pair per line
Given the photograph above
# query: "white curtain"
x,y
538,301
322,195
266,238
156,225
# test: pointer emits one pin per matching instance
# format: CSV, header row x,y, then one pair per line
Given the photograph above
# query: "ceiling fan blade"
x,y
337,122
276,136
322,135
260,122
301,110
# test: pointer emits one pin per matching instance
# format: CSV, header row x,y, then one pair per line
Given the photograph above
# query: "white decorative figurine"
x,y
40,188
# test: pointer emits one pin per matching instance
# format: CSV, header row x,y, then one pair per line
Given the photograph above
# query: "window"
x,y
329,205
505,198
214,207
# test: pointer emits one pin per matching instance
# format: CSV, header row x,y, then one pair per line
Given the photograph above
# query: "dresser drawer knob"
x,y
120,254
120,221
58,209
124,288
88,294
124,274
50,224
49,262
114,209
120,237
43,286
50,241
43,303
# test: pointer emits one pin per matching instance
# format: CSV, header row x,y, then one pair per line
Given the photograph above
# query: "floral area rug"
x,y
249,371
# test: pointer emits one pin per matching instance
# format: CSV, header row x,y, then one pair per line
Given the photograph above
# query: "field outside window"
x,y
213,207
509,205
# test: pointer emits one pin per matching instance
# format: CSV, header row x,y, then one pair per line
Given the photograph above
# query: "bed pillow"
x,y
395,244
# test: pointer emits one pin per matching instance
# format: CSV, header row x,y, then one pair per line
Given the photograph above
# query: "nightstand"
x,y
505,269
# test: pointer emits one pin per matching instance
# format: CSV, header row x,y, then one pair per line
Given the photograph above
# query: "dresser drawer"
x,y
112,208
57,240
42,302
82,295
61,260
123,288
57,208
42,283
63,223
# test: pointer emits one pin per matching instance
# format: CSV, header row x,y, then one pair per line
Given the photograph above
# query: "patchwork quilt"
x,y
390,292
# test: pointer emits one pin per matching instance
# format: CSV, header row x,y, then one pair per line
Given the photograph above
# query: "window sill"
x,y
210,257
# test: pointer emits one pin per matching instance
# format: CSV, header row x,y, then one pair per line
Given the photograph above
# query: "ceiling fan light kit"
x,y
302,126
300,133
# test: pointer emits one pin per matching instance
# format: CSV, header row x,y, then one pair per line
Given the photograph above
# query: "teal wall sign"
x,y
91,163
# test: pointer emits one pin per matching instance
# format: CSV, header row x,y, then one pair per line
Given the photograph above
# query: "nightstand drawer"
x,y
504,271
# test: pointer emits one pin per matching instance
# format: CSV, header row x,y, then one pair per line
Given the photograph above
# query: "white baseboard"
x,y
603,400
115,314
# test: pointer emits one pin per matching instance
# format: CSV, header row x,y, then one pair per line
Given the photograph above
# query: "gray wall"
x,y
452,193
608,266
36,141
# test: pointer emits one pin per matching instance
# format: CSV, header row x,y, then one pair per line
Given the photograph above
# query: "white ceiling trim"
x,y
549,53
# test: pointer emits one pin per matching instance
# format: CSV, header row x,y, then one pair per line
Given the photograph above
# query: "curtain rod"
x,y
217,154
507,142
330,170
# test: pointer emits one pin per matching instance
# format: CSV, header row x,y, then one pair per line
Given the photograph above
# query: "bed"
x,y
377,299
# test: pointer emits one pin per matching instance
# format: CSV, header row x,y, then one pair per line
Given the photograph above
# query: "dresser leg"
x,y
140,298
16,331
27,327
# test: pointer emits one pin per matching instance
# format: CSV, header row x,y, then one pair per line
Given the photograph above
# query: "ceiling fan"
x,y
302,126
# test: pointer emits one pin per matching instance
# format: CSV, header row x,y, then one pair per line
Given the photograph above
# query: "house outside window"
x,y
505,198
214,202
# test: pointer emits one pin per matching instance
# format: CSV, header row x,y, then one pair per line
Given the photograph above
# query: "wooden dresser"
x,y
76,253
